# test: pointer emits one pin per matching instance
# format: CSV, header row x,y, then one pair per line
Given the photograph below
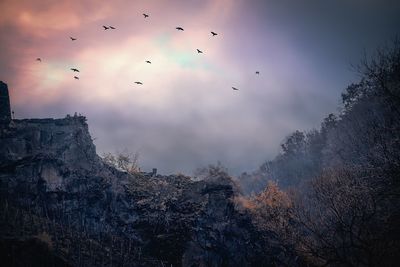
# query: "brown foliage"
x,y
273,215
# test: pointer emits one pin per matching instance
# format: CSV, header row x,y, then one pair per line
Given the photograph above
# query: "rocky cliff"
x,y
59,199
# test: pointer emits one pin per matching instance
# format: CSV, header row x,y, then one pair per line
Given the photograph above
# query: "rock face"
x,y
53,184
5,112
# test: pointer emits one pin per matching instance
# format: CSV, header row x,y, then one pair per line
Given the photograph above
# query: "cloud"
x,y
186,115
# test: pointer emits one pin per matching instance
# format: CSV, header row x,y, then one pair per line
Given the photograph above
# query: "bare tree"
x,y
212,170
343,221
125,161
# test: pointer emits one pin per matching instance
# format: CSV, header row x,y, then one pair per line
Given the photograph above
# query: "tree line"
x,y
332,196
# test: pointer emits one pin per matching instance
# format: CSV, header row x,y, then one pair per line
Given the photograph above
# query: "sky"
x,y
186,115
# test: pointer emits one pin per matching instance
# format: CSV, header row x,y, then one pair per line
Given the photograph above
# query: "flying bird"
x,y
179,28
39,59
74,70
257,72
213,33
199,51
105,27
111,27
145,15
138,83
148,61
72,38
76,77
234,88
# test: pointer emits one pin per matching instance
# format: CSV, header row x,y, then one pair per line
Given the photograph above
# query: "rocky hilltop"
x,y
61,205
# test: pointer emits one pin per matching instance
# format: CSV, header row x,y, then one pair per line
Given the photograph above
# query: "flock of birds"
x,y
147,61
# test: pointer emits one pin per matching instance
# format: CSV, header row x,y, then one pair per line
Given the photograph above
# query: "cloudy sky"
x,y
185,115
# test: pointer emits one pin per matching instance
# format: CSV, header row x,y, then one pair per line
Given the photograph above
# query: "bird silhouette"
x,y
234,88
76,77
138,83
74,70
145,15
72,38
213,33
39,59
148,61
105,27
111,27
199,51
179,28
257,72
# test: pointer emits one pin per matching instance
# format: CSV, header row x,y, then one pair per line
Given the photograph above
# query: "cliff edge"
x,y
56,191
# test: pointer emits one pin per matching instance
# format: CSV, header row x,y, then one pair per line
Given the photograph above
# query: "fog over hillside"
x,y
302,49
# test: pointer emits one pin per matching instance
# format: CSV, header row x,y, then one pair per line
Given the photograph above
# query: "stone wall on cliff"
x,y
5,112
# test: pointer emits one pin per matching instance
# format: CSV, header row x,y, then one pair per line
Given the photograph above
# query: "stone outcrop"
x,y
5,112
52,183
